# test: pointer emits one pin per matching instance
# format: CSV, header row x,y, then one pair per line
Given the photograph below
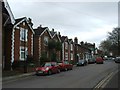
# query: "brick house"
x,y
41,38
81,52
22,40
7,25
90,46
19,41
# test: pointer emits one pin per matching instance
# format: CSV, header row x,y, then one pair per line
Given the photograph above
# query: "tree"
x,y
114,37
54,47
43,58
112,43
58,46
105,46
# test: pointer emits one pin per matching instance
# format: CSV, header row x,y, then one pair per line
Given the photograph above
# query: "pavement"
x,y
103,84
9,78
5,79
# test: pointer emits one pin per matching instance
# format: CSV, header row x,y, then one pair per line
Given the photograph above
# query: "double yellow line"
x,y
103,83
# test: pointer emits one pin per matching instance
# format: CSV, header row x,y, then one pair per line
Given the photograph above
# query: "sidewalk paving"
x,y
17,75
14,77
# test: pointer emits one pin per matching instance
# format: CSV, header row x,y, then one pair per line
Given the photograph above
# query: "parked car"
x,y
65,65
92,60
81,62
117,60
48,68
99,60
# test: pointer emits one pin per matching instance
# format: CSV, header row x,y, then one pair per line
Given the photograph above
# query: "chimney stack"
x,y
52,29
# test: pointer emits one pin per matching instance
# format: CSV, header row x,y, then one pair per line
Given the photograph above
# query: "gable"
x,y
23,22
46,33
57,37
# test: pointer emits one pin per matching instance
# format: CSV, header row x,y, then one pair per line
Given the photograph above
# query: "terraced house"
x,y
45,44
7,28
81,52
22,44
41,38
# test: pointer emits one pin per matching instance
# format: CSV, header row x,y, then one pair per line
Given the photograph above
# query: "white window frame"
x,y
71,56
46,40
22,30
66,55
66,45
26,51
71,45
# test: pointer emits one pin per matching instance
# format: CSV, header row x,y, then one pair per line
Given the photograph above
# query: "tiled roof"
x,y
52,33
63,38
39,30
19,19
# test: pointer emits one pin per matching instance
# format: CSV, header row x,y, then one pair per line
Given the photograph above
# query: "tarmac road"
x,y
80,77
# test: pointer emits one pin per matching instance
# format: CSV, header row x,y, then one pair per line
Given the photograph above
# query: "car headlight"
x,y
36,69
47,68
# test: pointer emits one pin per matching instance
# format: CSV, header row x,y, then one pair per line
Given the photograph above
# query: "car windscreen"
x,y
81,60
46,65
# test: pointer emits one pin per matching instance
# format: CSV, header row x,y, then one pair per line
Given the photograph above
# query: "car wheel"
x,y
49,72
58,70
66,69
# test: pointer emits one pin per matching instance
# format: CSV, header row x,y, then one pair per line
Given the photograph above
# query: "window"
x,y
23,53
66,56
46,40
71,45
66,45
23,34
71,56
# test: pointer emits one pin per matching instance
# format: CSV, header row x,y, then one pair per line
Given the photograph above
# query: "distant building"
x,y
81,51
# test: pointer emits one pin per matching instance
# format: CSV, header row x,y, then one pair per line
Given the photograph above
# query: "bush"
x,y
18,64
43,58
30,59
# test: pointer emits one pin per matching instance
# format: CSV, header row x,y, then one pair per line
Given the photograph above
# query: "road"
x,y
80,77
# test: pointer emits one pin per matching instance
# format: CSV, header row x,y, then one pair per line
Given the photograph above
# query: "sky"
x,y
88,21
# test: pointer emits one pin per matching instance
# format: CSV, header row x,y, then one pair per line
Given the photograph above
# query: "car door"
x,y
54,67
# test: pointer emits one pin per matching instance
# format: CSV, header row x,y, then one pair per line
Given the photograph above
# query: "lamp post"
x,y
118,41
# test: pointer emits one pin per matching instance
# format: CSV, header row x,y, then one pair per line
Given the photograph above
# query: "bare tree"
x,y
112,43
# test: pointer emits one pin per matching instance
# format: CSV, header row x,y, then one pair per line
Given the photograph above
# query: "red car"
x,y
65,65
99,60
48,68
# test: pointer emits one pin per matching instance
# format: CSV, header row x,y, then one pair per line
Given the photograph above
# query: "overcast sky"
x,y
89,21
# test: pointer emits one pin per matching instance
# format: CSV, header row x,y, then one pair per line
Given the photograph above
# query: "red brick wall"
x,y
43,46
29,42
7,47
16,44
36,47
